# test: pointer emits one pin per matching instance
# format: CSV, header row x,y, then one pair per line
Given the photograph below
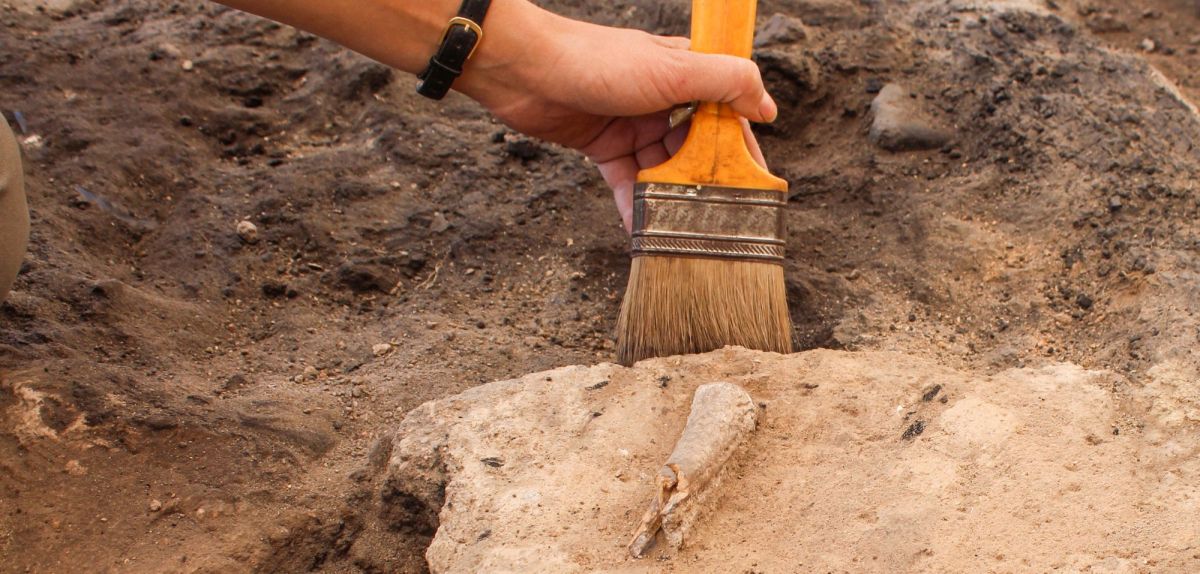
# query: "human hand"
x,y
606,91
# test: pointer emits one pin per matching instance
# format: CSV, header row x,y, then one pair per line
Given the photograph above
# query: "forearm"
x,y
404,33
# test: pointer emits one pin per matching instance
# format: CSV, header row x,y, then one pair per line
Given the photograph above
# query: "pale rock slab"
x,y
1027,470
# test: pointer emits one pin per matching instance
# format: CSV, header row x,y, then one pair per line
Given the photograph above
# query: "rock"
x,y
1147,45
156,505
365,78
247,231
74,468
274,289
234,382
364,277
438,223
899,124
1106,23
158,422
780,29
856,447
166,50
792,77
187,65
523,149
381,349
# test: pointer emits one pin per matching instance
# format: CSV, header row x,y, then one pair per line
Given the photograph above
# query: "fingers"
x,y
652,155
620,174
675,138
752,144
625,135
735,81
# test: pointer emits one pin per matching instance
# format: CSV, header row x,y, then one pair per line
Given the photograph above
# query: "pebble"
x,y
155,505
523,149
438,222
381,349
898,124
168,49
780,29
74,468
274,289
1148,45
1084,301
247,231
187,65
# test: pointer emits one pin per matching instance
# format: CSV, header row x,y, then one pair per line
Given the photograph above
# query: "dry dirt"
x,y
176,399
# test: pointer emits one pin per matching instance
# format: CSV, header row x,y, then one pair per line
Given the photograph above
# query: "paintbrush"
x,y
708,233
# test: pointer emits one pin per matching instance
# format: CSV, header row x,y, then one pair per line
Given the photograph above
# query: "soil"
x,y
178,398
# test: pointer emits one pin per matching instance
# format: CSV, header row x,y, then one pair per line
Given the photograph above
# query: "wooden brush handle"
x,y
715,151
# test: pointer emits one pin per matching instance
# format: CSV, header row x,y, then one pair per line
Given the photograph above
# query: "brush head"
x,y
683,305
707,272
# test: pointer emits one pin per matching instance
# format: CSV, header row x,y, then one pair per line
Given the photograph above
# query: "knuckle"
x,y
749,79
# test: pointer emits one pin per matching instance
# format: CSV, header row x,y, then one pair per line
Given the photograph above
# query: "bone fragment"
x,y
722,417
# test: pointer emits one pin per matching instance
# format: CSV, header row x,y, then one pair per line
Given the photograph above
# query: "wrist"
x,y
506,63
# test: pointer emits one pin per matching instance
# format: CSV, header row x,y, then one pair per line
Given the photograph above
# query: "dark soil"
x,y
174,398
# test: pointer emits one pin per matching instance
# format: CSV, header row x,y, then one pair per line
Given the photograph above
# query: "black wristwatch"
x,y
463,34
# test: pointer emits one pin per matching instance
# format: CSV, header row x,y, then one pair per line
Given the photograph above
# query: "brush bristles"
x,y
681,305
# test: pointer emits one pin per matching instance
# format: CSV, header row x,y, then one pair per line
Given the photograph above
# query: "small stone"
x,y
1084,301
913,431
155,505
899,126
438,223
274,289
167,49
1114,203
523,149
159,422
247,231
187,65
381,349
74,468
780,29
1147,45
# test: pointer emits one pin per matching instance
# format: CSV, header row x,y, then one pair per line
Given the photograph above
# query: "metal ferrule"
x,y
708,221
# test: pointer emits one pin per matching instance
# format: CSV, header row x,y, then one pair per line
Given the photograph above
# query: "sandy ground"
x,y
176,398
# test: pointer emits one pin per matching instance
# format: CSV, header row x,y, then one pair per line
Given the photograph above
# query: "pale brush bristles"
x,y
682,305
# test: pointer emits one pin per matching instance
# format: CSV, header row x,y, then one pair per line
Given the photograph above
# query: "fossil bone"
x,y
722,417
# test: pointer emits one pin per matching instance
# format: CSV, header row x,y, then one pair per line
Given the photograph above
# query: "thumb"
x,y
724,79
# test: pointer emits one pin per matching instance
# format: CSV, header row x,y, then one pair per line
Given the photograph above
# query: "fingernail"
x,y
767,109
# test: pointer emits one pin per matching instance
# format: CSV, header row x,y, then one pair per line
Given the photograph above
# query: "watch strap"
x,y
462,36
